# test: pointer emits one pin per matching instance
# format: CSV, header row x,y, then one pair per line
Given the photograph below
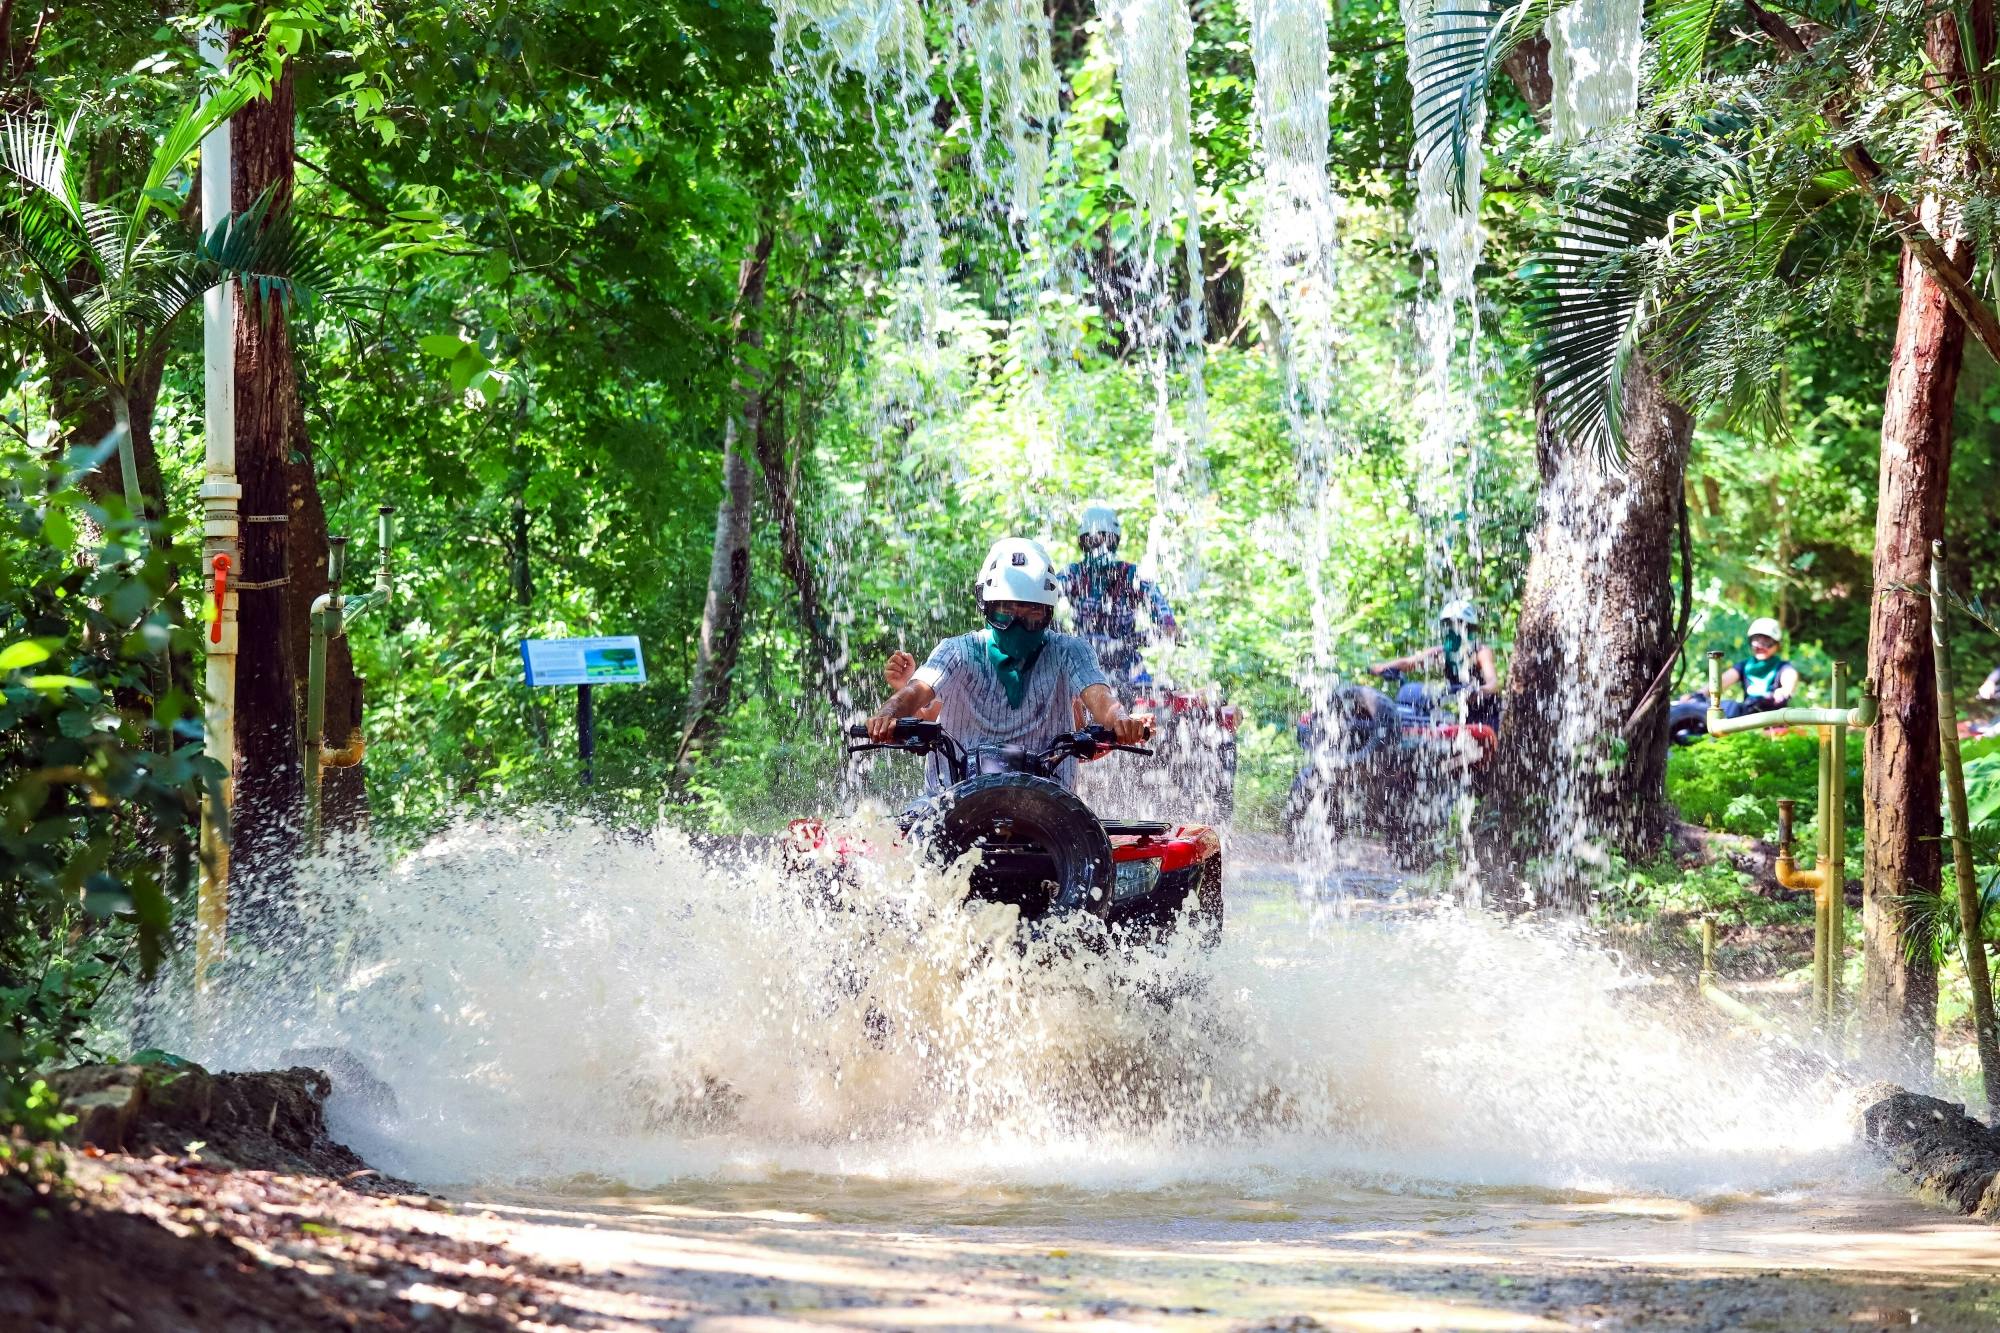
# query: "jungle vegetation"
x,y
603,308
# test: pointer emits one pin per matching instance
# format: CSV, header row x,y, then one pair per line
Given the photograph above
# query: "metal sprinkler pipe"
x,y
221,496
1827,879
331,614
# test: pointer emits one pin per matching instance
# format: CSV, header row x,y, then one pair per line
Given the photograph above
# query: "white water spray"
x,y
555,1003
1445,226
1594,48
1150,40
1594,53
816,45
1446,229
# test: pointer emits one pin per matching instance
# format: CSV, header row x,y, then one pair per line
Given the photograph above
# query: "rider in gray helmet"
x,y
1119,613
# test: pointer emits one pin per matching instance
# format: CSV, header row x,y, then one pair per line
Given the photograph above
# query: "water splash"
x,y
1008,42
1594,54
1594,48
549,1002
1298,229
1150,40
1445,227
818,44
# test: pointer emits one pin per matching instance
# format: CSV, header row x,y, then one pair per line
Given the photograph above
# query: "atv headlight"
x,y
1135,879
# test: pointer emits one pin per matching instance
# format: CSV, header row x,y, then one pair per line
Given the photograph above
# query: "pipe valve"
x,y
1785,807
221,564
336,562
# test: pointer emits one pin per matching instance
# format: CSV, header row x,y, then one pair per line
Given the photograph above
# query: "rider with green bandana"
x,y
1470,670
1015,681
1768,680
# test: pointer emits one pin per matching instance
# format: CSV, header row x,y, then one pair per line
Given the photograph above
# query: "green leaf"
x,y
441,344
55,683
26,653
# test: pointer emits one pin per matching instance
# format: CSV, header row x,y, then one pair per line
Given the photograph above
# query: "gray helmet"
x,y
1461,609
1099,527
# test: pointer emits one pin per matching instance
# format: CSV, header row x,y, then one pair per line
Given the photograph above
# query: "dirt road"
x,y
1864,1260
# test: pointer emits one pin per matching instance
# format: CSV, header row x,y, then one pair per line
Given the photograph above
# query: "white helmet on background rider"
x,y
1099,528
1767,628
1460,609
1017,569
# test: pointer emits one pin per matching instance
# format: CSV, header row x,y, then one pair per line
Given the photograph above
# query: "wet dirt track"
x,y
1870,1260
1349,1251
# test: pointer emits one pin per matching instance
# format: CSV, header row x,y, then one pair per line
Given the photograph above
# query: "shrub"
x,y
101,764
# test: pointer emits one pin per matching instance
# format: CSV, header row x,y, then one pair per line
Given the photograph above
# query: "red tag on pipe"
x,y
221,591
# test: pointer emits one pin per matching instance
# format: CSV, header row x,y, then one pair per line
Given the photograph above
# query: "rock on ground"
x,y
1952,1157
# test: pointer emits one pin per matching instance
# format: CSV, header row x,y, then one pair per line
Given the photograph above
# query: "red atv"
x,y
1380,767
1041,848
1195,734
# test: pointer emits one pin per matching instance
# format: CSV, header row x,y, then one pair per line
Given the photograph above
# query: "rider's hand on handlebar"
x,y
882,728
898,669
1132,730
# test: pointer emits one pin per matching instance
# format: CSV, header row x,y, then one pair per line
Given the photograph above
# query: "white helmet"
x,y
1017,570
1100,521
1767,627
1460,609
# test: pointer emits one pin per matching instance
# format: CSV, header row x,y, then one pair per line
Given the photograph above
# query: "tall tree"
x,y
1728,225
284,538
1904,827
1599,587
720,639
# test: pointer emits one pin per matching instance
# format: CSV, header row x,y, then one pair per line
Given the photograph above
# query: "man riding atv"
x,y
1000,767
1014,682
1118,614
1469,668
1768,680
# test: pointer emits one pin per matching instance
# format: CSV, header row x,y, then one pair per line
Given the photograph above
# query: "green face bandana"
x,y
1012,649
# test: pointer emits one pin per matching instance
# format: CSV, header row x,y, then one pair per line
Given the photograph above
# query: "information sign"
x,y
611,660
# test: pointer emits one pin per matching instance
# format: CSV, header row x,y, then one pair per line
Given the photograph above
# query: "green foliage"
x,y
31,1117
1648,892
101,766
1733,783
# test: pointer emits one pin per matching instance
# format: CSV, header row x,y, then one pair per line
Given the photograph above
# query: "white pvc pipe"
x,y
220,497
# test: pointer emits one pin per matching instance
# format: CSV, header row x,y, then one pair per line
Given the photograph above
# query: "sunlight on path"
x,y
1498,1262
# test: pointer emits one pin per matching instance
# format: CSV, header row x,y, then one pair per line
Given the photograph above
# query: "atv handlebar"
x,y
915,736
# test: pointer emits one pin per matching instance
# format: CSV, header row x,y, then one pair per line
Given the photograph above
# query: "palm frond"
x,y
1454,54
1611,267
34,150
178,144
1587,299
1679,32
271,258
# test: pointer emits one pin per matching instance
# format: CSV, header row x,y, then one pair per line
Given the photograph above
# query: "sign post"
x,y
611,660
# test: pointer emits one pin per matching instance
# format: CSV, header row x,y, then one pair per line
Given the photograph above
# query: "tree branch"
x,y
1965,302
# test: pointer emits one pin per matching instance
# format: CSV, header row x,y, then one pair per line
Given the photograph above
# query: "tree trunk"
x,y
1583,740
1582,757
1899,995
722,614
283,542
781,486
